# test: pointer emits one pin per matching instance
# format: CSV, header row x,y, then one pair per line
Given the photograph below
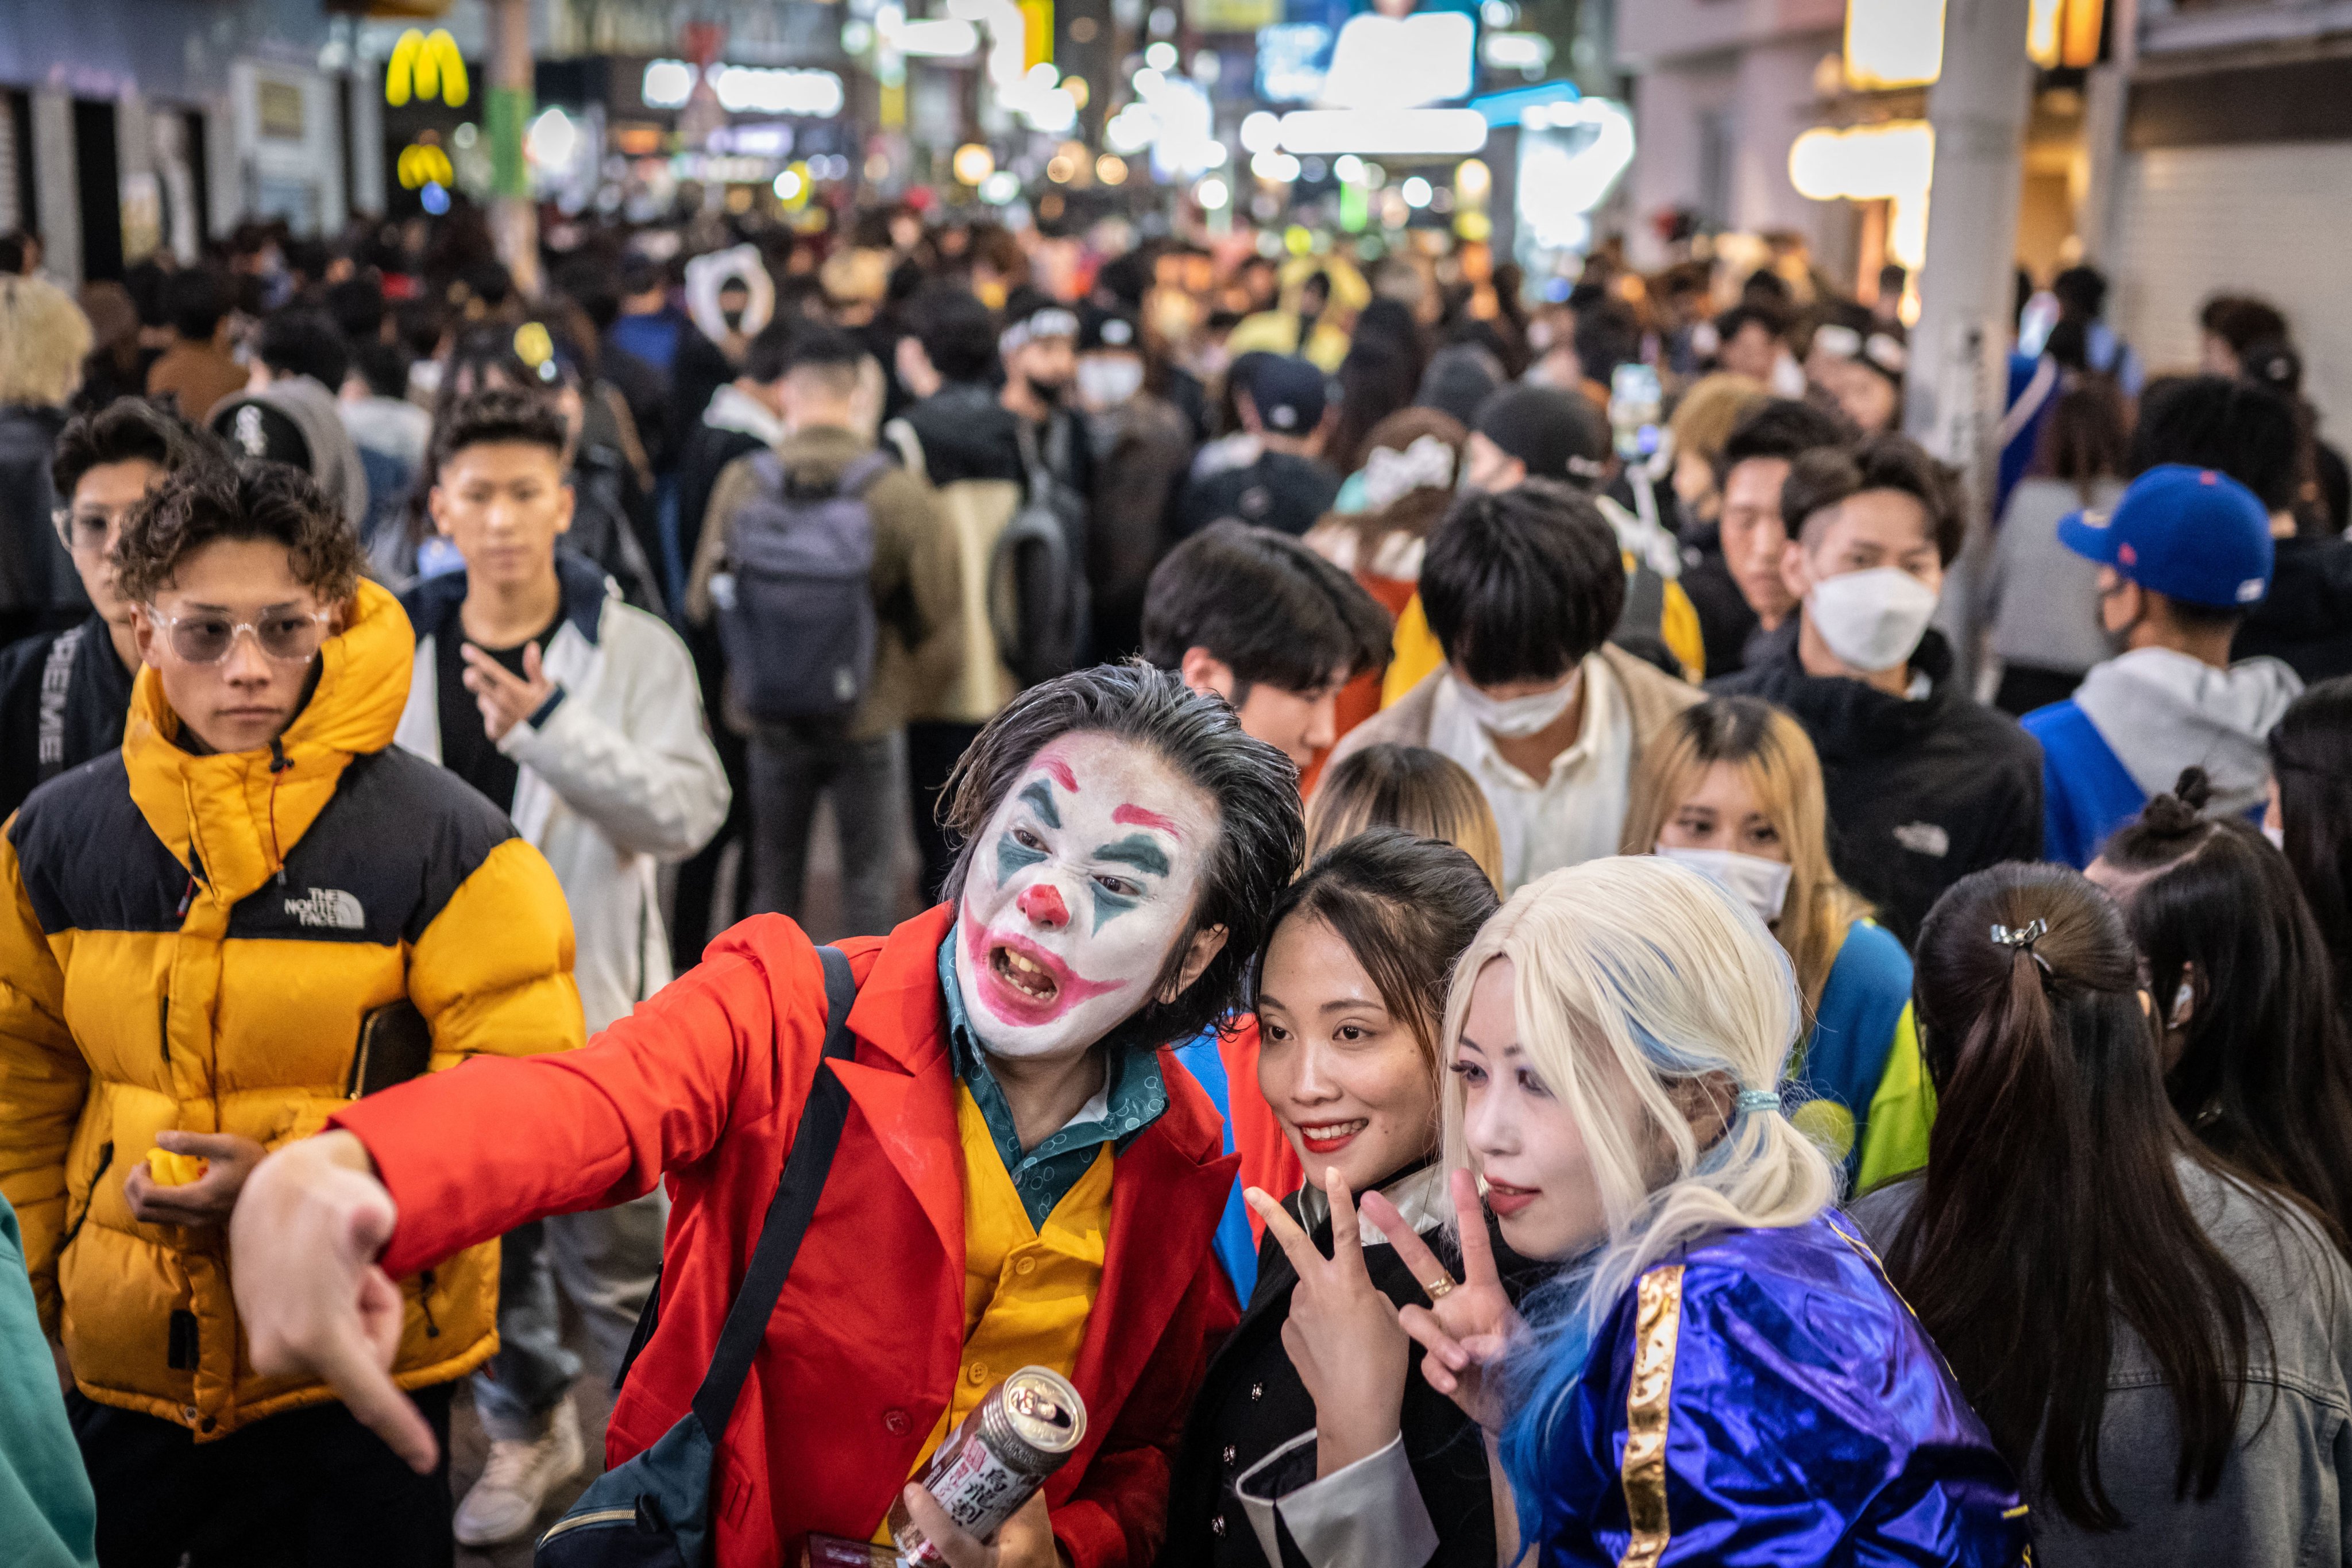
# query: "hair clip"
x,y
1757,1100
2022,938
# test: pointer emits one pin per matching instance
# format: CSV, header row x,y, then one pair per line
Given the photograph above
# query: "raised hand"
x,y
302,1248
1342,1334
1467,1325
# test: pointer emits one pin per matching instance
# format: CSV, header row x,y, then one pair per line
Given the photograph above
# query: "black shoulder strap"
x,y
789,1212
56,690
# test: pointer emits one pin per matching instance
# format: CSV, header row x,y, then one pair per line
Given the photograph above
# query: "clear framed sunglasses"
x,y
84,530
291,636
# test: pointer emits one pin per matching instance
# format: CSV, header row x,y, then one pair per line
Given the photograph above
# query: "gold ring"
x,y
1438,1288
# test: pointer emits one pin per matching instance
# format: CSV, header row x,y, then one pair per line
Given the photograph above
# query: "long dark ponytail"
x,y
2264,1073
2310,758
2052,1209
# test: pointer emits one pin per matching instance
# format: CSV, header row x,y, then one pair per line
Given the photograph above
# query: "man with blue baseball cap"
x,y
2184,555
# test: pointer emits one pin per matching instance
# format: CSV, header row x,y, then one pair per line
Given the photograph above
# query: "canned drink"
x,y
995,1460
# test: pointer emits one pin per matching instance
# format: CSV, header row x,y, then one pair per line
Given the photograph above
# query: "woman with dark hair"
x,y
2042,598
1350,992
2310,813
2158,1343
1376,380
2256,1056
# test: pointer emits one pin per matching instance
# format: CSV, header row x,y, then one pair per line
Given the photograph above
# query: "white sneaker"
x,y
505,1503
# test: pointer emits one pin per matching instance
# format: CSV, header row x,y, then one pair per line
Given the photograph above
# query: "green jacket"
x,y
47,1512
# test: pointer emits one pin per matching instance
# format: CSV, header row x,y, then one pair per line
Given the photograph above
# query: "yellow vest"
x,y
1027,1292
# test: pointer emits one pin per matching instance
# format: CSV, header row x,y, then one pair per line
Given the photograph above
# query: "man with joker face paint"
x,y
1024,1178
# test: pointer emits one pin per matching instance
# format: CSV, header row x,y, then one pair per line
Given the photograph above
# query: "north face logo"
x,y
329,907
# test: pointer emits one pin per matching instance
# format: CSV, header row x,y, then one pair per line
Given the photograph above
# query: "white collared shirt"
x,y
1576,812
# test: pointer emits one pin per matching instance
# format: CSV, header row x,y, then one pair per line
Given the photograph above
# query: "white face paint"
x,y
1076,893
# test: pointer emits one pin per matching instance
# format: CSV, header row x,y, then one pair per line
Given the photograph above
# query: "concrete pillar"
x,y
1959,357
56,187
514,222
366,132
2107,98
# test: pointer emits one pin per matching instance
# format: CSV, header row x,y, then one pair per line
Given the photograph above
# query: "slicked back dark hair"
x,y
1266,604
254,498
1821,479
1785,428
1521,586
1406,906
499,414
1253,787
124,431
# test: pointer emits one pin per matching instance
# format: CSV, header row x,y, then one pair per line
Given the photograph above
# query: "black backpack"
x,y
1037,578
796,605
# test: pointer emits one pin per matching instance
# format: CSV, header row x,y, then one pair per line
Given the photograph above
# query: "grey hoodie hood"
x,y
2161,711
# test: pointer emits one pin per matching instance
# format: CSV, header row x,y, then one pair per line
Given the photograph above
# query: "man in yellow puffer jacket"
x,y
209,942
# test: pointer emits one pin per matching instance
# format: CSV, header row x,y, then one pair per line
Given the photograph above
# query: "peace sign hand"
x,y
1343,1334
1465,1328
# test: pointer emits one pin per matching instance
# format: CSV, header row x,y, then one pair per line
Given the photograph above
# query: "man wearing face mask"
x,y
1521,590
1142,446
2182,558
1039,347
1019,1149
1925,785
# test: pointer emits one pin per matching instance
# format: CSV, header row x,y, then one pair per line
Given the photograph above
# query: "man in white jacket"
x,y
579,717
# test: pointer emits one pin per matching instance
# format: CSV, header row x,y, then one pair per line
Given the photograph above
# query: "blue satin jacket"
x,y
1766,1398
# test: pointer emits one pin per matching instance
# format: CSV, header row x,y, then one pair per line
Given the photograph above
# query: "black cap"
x,y
1102,329
1557,435
256,430
1288,393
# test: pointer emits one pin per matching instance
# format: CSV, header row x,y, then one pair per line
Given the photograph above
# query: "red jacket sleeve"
x,y
472,1152
1117,1516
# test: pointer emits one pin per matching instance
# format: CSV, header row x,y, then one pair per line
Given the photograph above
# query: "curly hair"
x,y
124,431
1260,835
251,500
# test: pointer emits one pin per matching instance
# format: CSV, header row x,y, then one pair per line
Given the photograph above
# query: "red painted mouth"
x,y
1505,1201
1022,982
1337,1134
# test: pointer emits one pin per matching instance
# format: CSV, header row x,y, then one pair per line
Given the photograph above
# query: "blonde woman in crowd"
x,y
1718,1371
44,338
1732,789
1423,792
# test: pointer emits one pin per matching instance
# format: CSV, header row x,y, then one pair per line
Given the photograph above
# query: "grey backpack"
x,y
797,618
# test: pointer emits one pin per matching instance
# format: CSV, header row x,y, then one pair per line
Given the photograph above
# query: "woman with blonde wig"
x,y
1718,1371
1732,788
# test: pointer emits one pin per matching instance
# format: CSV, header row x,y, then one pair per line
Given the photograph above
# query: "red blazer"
x,y
704,1084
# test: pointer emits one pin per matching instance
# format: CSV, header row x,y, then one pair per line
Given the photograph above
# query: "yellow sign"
x,y
425,66
421,165
1036,33
2065,33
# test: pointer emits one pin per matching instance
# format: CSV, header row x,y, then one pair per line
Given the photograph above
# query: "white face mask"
x,y
1871,620
1077,895
2277,835
1519,717
1762,885
1108,381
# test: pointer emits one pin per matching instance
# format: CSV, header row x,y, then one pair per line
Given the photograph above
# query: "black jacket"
x,y
1252,1403
2306,619
1920,793
37,586
966,434
88,692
